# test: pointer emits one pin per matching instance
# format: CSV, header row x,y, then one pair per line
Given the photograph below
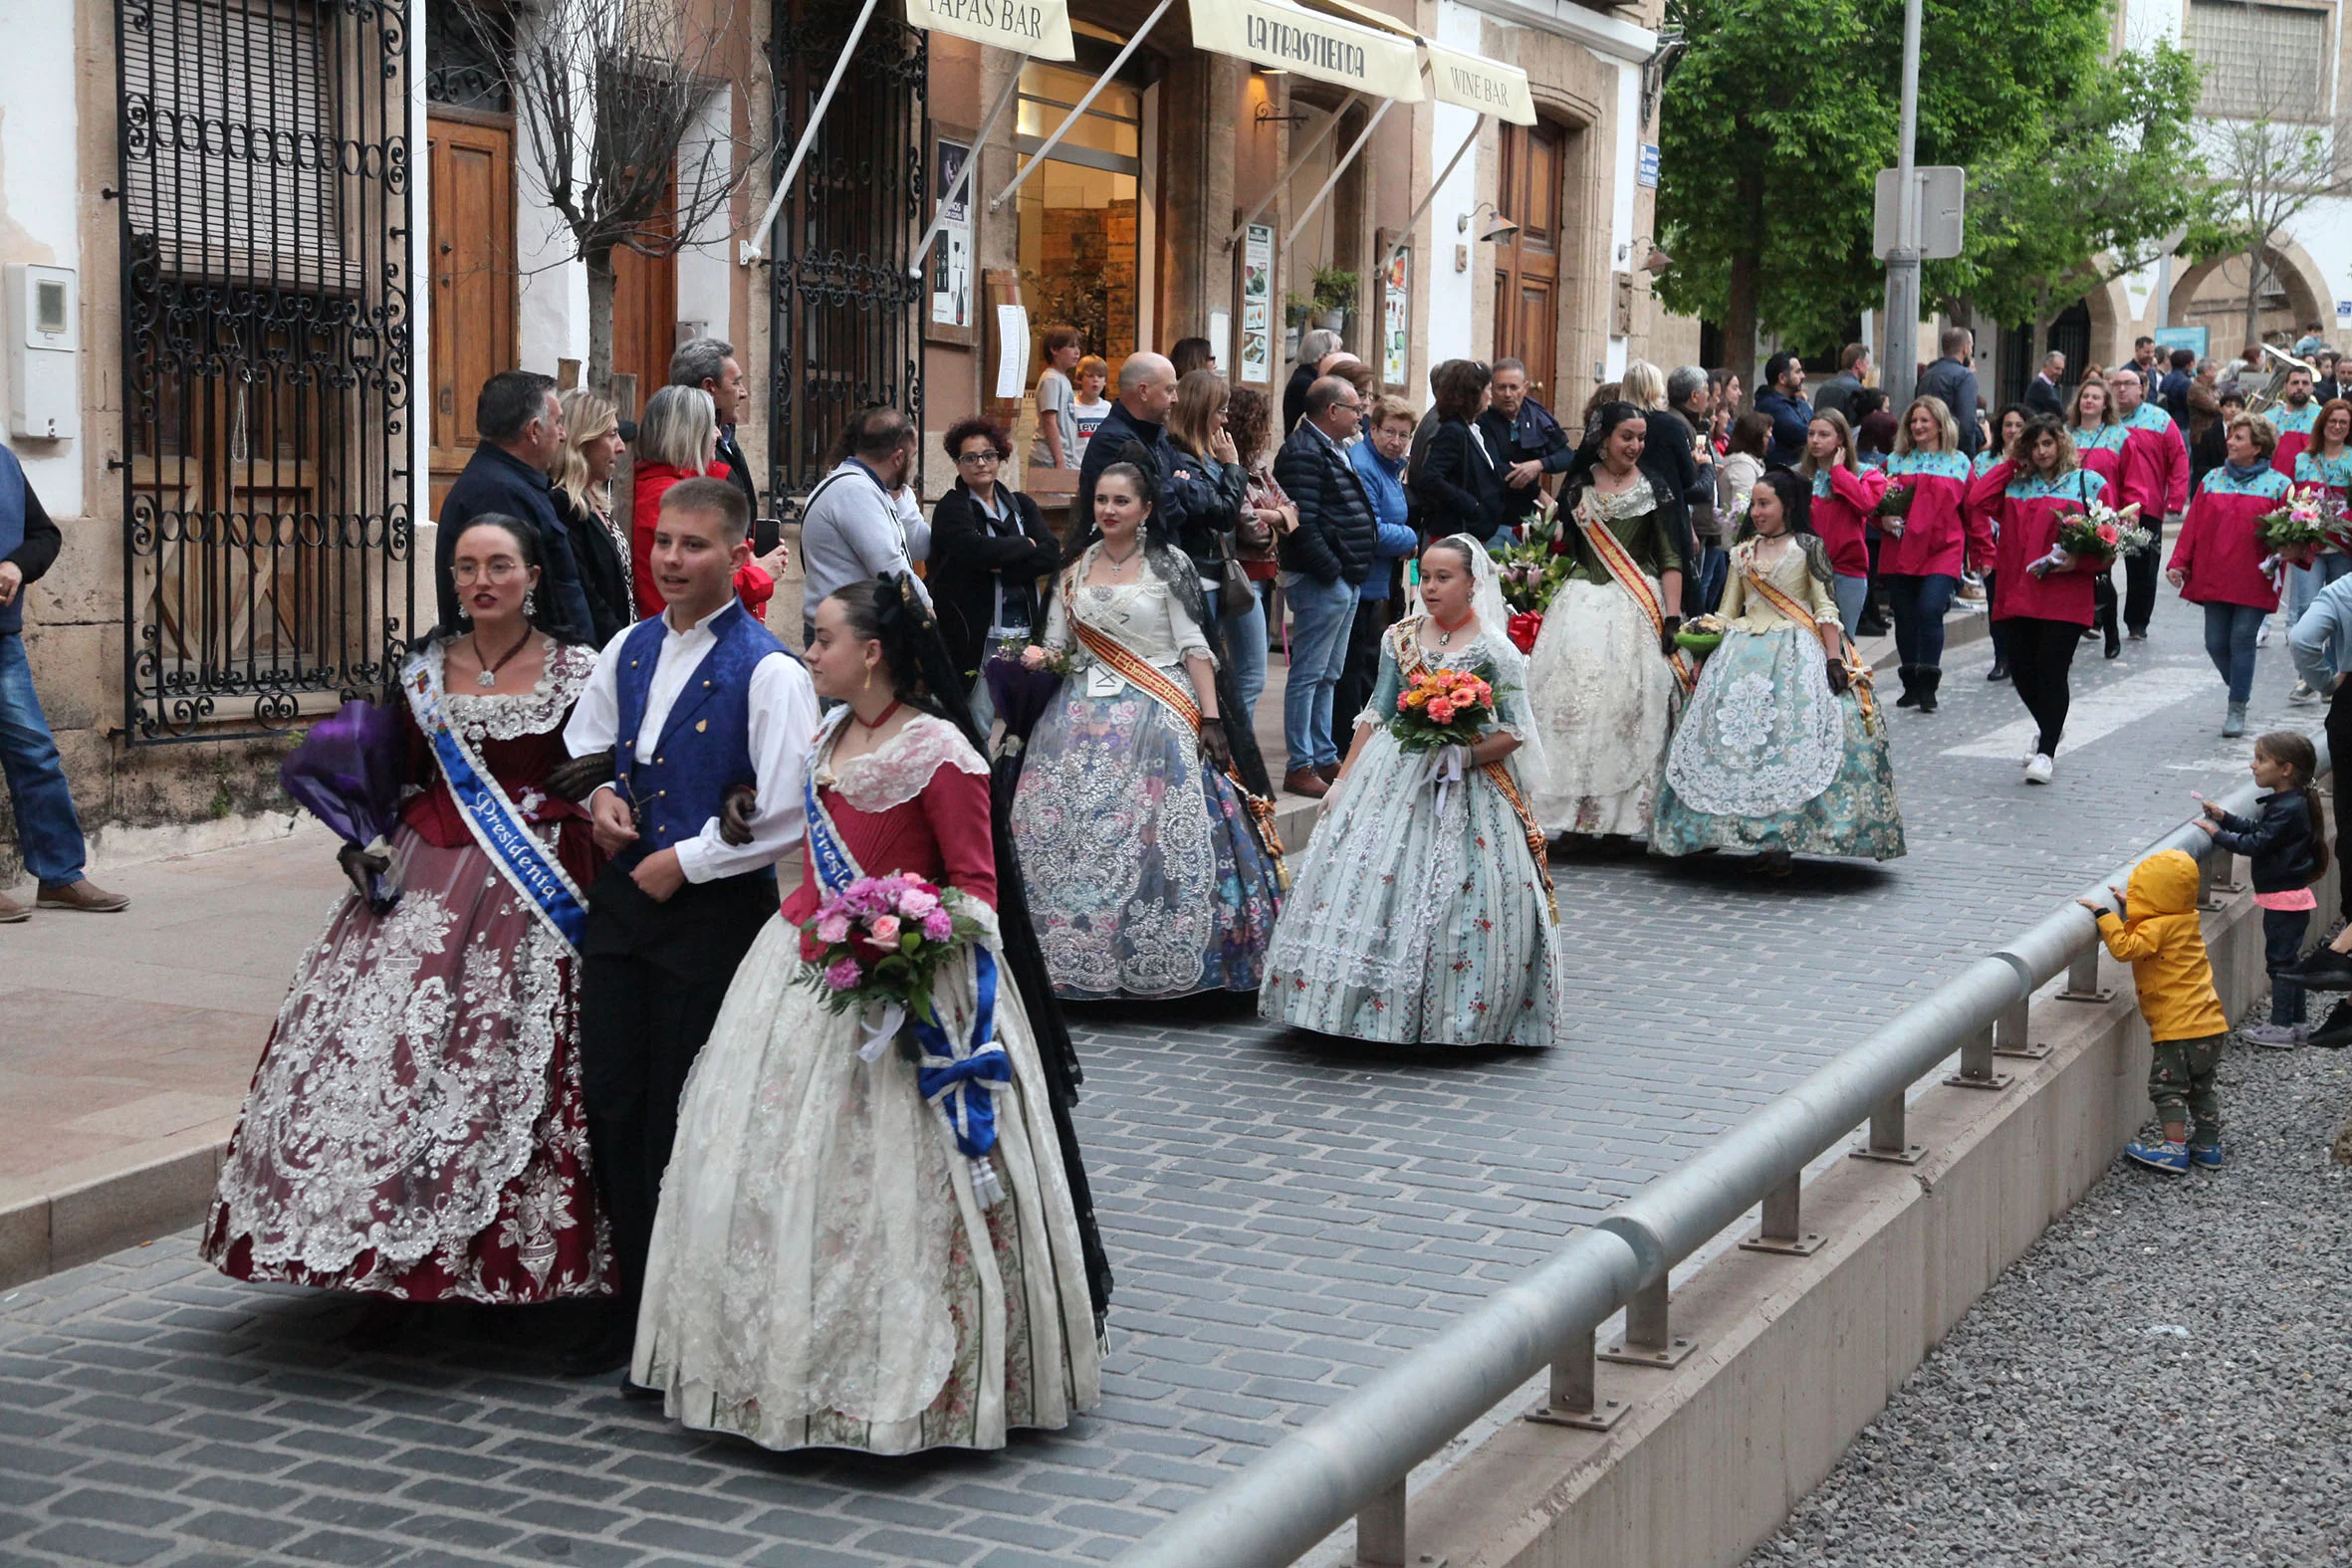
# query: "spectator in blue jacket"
x,y
522,427
1379,461
1325,558
1782,402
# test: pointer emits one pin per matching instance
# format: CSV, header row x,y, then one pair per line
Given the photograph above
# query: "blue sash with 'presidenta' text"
x,y
529,865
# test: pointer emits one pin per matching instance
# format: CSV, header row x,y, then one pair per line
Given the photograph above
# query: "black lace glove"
x,y
1666,635
357,865
736,811
1215,746
576,778
1839,680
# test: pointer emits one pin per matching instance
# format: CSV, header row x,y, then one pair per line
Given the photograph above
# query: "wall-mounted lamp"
x,y
1495,231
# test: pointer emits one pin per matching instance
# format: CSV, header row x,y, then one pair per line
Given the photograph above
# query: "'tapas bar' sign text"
x,y
1036,28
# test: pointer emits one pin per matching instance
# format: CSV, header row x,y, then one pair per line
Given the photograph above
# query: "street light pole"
x,y
1899,372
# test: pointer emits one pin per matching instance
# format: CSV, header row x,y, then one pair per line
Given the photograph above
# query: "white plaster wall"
x,y
553,319
1448,299
2325,230
41,186
1623,180
705,285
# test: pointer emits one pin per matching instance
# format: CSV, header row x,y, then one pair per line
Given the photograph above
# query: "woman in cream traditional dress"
x,y
1605,678
1780,750
1149,862
1423,911
830,1267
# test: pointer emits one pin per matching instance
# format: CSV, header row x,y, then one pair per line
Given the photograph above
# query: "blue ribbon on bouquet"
x,y
965,1086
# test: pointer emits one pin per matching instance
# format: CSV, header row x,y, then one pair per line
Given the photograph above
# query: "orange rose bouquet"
x,y
1445,707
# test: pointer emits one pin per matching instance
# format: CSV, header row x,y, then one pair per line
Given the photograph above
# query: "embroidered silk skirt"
x,y
1603,702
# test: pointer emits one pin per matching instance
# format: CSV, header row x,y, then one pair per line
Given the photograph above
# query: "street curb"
x,y
1794,1356
169,1189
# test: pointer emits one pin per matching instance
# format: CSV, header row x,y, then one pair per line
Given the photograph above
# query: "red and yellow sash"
x,y
1857,673
1631,579
1404,645
1154,683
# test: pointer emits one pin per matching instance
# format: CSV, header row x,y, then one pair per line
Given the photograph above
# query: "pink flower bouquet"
x,y
878,942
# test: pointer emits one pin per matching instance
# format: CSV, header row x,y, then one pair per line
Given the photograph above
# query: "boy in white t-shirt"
x,y
1093,375
1057,445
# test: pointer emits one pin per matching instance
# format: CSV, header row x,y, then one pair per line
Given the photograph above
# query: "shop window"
x,y
1080,250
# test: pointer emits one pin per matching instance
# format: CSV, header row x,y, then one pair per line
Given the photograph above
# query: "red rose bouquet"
x,y
876,944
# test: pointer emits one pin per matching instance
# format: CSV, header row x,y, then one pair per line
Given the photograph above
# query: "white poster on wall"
x,y
1258,305
1012,351
951,257
1220,341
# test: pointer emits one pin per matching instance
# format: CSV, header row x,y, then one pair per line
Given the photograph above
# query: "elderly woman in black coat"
x,y
989,548
1455,485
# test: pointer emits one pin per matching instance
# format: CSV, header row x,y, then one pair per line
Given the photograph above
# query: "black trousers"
x,y
2041,654
1360,671
652,979
2139,579
2339,744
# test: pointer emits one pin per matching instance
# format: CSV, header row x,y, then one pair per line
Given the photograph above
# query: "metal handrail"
x,y
1353,1460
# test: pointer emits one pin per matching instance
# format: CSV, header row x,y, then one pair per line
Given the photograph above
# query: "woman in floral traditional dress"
x,y
1605,678
1780,750
1148,865
829,1268
414,1130
1423,911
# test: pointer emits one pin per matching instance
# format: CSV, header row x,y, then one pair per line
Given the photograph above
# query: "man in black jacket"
x,y
1136,431
522,427
1525,441
1952,381
1324,560
709,362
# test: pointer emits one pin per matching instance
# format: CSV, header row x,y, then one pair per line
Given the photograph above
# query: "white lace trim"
x,y
897,770
511,716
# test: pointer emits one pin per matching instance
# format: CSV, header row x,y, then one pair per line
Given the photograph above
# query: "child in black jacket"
x,y
2286,846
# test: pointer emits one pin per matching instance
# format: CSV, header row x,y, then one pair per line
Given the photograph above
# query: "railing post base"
x,y
1887,1142
1976,1065
1648,1341
2013,1032
1572,1400
1782,1231
1380,1534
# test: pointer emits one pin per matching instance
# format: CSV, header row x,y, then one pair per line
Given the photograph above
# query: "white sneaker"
x,y
2302,694
2262,635
2039,770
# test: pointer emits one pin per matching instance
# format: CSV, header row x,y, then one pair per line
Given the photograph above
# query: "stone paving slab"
x,y
1286,1215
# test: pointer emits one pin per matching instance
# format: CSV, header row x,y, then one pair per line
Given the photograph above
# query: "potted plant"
x,y
1335,290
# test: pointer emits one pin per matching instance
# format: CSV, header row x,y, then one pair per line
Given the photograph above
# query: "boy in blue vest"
x,y
48,833
690,706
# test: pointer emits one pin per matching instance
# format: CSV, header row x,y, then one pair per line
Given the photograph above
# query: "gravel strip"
x,y
2165,1378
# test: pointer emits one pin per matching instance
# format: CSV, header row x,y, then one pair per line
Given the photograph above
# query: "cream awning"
x,y
1277,34
1475,82
1039,29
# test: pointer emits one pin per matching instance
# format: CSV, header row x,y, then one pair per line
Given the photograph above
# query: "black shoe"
x,y
2137,634
1928,676
1999,670
1909,675
2322,968
1871,626
2334,1031
2114,647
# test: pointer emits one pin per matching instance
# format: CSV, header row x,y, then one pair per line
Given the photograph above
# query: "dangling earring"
x,y
869,678
530,601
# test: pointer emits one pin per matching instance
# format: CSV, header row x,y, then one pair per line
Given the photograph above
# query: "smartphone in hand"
x,y
766,533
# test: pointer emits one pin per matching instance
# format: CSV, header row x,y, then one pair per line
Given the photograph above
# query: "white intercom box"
x,y
44,313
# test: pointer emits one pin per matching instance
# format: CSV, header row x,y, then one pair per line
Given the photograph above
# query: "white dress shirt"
x,y
783,719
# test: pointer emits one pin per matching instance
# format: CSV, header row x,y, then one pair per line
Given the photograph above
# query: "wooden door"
x,y
1526,267
475,330
645,313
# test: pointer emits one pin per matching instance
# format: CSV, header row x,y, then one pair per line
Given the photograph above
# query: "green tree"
x,y
1779,114
2106,186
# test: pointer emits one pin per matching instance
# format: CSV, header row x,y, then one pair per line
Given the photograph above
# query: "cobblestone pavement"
x,y
1286,1216
2160,1379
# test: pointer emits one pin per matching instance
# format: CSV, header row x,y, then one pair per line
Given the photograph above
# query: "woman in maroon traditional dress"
x,y
414,1130
835,1263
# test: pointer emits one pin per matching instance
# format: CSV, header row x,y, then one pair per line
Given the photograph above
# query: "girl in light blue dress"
x,y
1422,913
1780,751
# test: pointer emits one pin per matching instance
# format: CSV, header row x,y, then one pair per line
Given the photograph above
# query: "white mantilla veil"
x,y
1494,622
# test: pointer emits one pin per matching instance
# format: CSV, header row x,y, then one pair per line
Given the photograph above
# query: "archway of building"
x,y
2212,295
